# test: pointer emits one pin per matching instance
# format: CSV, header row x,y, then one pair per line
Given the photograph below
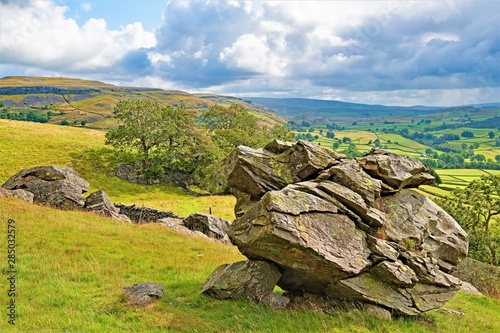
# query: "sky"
x,y
375,52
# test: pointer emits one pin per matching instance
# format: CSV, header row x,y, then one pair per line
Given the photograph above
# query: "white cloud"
x,y
87,6
40,34
253,54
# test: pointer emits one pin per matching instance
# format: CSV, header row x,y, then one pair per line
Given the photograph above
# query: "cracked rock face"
x,y
345,229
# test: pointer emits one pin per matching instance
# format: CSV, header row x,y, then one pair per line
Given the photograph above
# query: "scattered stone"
x,y
452,312
143,293
275,301
141,214
378,311
212,226
172,222
53,186
99,203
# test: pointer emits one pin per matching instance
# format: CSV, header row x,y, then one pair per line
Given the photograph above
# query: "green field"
x,y
72,265
24,145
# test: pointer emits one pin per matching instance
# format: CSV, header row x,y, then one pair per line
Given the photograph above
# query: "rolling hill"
x,y
72,100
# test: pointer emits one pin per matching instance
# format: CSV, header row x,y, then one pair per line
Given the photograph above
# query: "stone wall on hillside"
x,y
141,214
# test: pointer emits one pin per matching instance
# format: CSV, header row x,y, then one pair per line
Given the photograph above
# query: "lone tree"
x,y
477,208
148,126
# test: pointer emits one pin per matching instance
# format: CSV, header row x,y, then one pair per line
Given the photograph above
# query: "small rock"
x,y
275,301
143,293
378,311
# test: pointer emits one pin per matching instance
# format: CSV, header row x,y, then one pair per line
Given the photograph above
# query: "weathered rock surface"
x,y
395,170
20,194
342,229
143,293
212,226
53,186
248,280
99,203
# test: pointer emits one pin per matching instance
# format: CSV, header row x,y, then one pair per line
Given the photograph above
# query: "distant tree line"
x,y
25,115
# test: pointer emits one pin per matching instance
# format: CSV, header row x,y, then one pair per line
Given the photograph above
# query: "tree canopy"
x,y
169,140
477,209
149,127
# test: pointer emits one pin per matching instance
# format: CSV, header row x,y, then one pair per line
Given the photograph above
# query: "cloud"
x,y
352,46
87,6
353,50
37,33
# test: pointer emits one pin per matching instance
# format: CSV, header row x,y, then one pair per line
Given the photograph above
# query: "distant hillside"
x,y
74,101
319,112
298,106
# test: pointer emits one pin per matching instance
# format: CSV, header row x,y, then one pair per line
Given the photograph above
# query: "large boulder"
x,y
51,185
345,229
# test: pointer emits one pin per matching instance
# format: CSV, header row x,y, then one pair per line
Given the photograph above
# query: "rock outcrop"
x,y
53,186
344,229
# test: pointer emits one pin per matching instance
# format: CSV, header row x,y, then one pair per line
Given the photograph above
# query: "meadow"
x,y
71,265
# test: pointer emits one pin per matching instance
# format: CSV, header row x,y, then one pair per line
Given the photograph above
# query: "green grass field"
x,y
24,145
71,265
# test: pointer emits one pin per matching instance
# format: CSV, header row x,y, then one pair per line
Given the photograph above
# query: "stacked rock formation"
x,y
342,229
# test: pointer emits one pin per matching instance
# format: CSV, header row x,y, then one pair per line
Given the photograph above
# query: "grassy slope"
x,y
72,265
24,145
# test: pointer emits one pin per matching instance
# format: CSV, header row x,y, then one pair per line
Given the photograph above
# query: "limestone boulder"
x,y
340,230
308,239
51,185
